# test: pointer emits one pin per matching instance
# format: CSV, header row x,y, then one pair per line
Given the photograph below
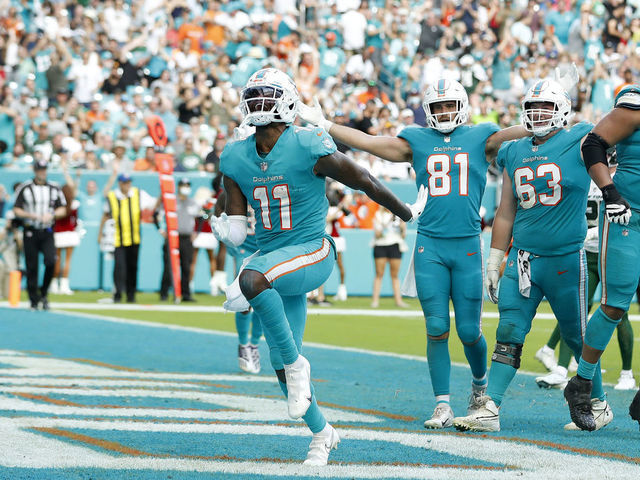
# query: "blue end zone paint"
x,y
396,386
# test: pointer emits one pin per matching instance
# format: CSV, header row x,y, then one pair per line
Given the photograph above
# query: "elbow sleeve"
x,y
594,150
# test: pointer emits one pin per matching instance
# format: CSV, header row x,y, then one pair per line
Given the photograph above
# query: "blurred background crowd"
x,y
78,78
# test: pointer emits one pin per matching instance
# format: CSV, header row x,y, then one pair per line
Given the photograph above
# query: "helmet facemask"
x,y
542,121
271,97
445,90
455,118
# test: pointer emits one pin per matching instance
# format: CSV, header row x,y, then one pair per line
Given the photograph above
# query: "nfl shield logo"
x,y
625,233
420,249
264,166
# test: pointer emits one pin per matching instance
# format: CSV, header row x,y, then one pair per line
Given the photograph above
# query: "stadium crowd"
x,y
78,78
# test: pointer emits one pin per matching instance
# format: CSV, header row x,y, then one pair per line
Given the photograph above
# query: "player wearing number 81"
x,y
280,170
451,159
544,195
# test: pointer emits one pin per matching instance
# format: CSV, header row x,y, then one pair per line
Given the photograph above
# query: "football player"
x,y
280,171
544,197
619,257
451,159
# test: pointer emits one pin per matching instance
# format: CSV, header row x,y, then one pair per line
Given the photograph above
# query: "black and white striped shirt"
x,y
39,199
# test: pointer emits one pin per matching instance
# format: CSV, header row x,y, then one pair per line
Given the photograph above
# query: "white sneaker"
x,y
54,287
442,417
546,357
626,381
341,294
321,445
245,359
602,414
298,376
64,287
485,419
573,365
556,379
255,357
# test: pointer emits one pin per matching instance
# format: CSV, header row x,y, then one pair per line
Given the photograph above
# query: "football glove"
x,y
314,115
418,206
617,209
493,273
231,230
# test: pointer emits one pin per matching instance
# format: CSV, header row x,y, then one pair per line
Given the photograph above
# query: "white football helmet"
x,y
269,96
542,121
441,91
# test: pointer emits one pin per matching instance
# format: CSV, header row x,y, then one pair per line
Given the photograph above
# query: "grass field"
x,y
397,334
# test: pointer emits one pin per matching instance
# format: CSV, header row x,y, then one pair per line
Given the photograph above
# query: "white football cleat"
x,y
626,381
602,414
245,359
485,419
546,357
442,417
321,445
254,352
556,379
298,376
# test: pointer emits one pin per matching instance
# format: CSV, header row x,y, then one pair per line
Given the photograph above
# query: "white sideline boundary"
x,y
217,309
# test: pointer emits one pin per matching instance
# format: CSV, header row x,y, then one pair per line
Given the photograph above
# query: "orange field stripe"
x,y
97,442
379,413
102,364
44,398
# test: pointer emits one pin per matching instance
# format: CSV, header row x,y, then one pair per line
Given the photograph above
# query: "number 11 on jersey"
x,y
439,169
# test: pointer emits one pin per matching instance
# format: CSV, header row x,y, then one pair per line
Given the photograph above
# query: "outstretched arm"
x,y
494,141
339,167
394,149
505,216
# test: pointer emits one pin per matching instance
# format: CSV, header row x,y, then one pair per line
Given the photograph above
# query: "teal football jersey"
x,y
454,168
550,183
288,198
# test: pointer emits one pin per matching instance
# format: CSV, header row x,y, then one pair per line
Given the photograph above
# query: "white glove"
x,y
242,131
569,78
314,115
617,209
220,226
493,273
418,206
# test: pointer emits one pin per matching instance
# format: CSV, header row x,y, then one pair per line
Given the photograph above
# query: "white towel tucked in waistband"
x,y
524,273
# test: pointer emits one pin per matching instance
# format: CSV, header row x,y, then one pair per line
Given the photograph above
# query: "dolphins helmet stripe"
x,y
442,87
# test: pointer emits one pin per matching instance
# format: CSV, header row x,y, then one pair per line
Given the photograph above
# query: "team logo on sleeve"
x,y
327,143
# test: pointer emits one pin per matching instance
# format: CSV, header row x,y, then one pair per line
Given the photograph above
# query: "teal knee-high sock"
x,y
256,328
313,418
268,305
242,327
439,365
597,391
500,376
477,357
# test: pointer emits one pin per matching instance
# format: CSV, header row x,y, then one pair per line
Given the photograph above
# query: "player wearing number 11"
x,y
544,195
281,171
451,159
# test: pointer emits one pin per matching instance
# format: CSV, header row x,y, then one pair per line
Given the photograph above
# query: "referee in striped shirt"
x,y
38,204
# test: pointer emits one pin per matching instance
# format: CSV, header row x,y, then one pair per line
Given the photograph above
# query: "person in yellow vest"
x,y
124,206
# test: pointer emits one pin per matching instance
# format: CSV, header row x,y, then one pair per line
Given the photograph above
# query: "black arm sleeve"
x,y
594,150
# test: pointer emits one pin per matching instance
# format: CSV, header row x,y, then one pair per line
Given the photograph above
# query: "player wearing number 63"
x,y
544,194
451,159
280,170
